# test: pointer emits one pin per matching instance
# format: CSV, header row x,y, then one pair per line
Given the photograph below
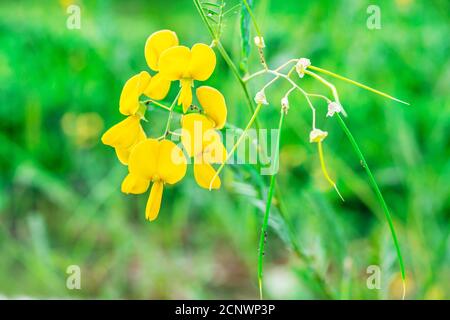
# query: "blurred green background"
x,y
60,199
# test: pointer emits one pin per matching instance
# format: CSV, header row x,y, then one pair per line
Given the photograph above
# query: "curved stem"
x,y
325,171
169,118
263,236
258,33
156,103
238,142
329,85
302,91
356,84
251,106
379,196
227,59
252,16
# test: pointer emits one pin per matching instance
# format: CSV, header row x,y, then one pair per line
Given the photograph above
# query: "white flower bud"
x,y
334,107
285,104
260,97
317,135
301,66
259,42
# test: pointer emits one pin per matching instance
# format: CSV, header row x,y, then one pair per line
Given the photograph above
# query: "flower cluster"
x,y
159,161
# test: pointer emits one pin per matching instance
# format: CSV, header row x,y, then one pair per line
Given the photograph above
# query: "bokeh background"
x,y
60,199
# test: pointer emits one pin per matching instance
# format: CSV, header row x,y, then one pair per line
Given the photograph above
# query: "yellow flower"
x,y
124,136
154,161
213,104
202,143
132,90
156,44
200,139
186,65
127,133
155,87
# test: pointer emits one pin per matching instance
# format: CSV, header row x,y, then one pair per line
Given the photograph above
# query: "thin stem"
x,y
325,171
319,96
156,103
263,236
219,24
227,59
356,84
302,91
251,107
278,75
268,84
252,16
371,178
258,33
379,196
253,75
238,142
258,73
329,85
169,118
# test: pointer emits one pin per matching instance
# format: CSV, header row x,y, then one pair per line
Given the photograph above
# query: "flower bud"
x,y
317,135
301,66
260,97
285,104
334,107
259,42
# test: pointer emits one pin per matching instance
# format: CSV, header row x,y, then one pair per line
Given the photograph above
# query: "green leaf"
x,y
245,37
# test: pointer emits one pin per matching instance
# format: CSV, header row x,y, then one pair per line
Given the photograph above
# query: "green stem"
x,y
156,103
258,33
252,16
238,142
228,60
169,118
263,236
337,76
379,196
252,109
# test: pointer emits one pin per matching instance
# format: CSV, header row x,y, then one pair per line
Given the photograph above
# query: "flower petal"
x,y
185,97
154,201
203,173
194,126
143,160
213,150
156,44
171,162
203,62
123,154
158,87
134,184
213,104
132,90
174,63
123,134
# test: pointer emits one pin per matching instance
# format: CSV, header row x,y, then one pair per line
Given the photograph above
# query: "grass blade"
x,y
356,84
263,236
380,198
245,38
